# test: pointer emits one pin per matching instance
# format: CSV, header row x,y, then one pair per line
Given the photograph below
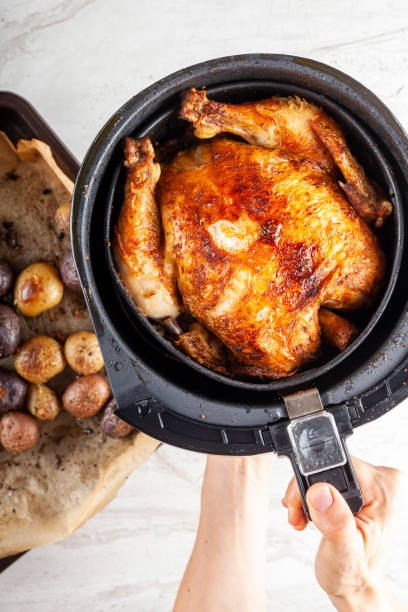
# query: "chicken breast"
x,y
259,241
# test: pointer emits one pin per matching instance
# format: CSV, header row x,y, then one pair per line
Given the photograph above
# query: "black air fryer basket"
x,y
164,393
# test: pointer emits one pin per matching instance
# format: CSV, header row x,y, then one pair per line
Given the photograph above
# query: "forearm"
x,y
226,570
376,597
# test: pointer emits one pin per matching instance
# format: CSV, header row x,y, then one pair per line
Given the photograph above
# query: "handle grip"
x,y
342,477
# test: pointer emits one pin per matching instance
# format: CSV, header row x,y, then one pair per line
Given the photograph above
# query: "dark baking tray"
x,y
19,119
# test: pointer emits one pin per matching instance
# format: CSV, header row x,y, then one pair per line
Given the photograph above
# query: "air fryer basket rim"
x,y
305,376
231,407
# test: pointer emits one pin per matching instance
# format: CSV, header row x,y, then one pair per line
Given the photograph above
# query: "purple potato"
x,y
112,425
68,273
6,277
10,331
13,391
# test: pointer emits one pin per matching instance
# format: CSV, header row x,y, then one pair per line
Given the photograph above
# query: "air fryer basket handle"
x,y
342,477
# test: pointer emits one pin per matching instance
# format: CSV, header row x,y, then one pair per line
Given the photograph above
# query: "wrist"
x,y
373,595
237,483
255,471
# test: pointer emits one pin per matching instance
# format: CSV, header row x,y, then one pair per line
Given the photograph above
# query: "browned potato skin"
x,y
83,354
38,287
85,396
112,425
62,218
42,402
39,359
18,432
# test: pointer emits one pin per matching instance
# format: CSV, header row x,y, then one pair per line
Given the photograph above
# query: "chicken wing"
x,y
364,195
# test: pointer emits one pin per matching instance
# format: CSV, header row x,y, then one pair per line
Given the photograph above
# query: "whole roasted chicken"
x,y
261,240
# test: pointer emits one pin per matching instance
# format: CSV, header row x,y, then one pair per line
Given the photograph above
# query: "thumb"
x,y
332,516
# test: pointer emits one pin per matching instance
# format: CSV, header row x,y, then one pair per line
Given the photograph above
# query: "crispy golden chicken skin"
x,y
259,239
296,126
138,236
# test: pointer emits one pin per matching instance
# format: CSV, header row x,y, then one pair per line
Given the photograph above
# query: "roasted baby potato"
x,y
18,432
39,359
42,402
6,277
68,273
10,331
85,396
62,218
38,287
112,425
13,391
83,353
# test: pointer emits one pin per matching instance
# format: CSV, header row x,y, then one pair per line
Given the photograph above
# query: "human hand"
x,y
349,562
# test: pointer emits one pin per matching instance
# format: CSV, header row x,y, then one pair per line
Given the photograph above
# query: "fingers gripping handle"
x,y
315,442
342,477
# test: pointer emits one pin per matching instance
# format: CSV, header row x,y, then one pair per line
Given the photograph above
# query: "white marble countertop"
x,y
77,62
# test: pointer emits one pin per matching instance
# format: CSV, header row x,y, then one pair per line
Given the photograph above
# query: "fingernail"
x,y
321,499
